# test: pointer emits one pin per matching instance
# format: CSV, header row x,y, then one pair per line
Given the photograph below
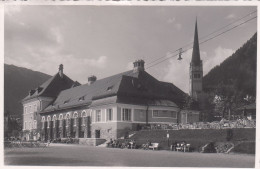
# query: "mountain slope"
x,y
17,83
237,74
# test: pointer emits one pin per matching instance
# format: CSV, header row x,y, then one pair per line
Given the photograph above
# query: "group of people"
x,y
180,146
126,144
146,145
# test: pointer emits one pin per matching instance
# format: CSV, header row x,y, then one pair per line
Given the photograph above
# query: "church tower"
x,y
196,70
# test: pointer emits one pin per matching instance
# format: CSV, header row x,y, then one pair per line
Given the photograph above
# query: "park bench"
x,y
154,146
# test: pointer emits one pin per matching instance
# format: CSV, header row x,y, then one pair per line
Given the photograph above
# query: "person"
x,y
133,144
146,146
109,144
173,146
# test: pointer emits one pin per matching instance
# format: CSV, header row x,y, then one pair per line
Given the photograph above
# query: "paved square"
x,y
80,155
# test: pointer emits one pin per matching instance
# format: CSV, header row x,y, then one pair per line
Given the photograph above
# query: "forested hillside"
x,y
237,72
234,79
17,83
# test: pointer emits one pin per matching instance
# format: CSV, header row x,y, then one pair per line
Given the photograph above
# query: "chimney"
x,y
138,65
92,79
61,70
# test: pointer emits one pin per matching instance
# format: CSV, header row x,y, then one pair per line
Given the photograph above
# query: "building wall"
x,y
195,83
189,116
100,123
30,119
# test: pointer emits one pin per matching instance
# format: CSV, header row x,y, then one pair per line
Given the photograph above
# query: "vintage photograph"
x,y
130,85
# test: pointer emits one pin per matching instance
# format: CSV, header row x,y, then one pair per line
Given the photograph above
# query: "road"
x,y
80,155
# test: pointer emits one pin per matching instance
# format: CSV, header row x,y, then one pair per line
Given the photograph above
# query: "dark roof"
x,y
127,85
52,87
248,107
195,60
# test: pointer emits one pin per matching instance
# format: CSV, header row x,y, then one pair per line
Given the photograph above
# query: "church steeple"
x,y
196,49
196,69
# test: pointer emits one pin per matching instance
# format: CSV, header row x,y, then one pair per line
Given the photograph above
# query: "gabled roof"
x,y
139,85
195,60
52,87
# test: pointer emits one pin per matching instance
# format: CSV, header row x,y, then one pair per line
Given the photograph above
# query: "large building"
x,y
102,109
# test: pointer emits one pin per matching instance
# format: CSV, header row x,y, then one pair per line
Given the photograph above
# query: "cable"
x,y
204,41
205,36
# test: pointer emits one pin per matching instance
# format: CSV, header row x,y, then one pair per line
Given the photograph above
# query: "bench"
x,y
154,146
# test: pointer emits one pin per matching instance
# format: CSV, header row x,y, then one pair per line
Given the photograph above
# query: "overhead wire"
x,y
203,37
202,42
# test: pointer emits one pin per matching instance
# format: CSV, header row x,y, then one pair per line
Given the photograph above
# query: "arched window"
x,y
54,118
60,118
43,120
83,113
48,121
83,116
75,116
67,119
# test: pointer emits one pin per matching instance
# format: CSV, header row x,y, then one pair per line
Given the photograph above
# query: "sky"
x,y
105,40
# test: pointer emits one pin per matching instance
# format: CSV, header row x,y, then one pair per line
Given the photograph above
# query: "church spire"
x,y
196,50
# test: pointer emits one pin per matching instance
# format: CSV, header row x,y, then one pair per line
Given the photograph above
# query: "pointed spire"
x,y
196,50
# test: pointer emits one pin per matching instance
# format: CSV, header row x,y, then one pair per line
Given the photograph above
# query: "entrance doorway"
x,y
97,133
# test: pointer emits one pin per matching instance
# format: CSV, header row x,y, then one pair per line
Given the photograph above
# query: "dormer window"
x,y
82,98
39,89
109,88
66,101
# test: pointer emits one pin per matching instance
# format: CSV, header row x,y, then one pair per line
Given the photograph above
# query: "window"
x,y
54,118
109,88
75,116
67,119
126,114
30,125
66,101
25,110
83,115
60,119
98,115
82,98
35,108
196,75
35,124
48,121
24,127
164,114
109,114
43,120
